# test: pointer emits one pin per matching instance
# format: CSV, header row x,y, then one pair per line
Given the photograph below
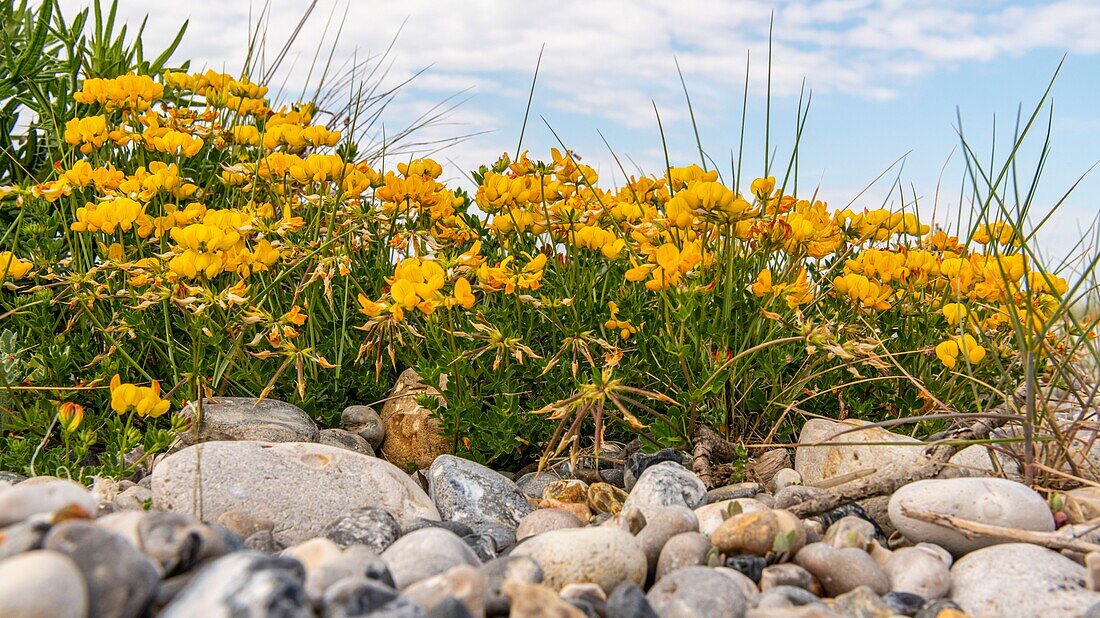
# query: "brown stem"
x,y
972,529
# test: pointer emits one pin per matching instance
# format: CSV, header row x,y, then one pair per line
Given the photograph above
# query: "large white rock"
x,y
42,584
859,451
998,502
1020,580
299,486
602,555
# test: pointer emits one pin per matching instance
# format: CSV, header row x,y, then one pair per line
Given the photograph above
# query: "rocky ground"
x,y
263,515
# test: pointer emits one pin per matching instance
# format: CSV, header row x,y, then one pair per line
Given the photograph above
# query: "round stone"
x,y
470,493
666,484
364,421
245,418
997,502
545,520
369,526
1017,580
121,582
696,591
426,552
42,584
602,555
265,585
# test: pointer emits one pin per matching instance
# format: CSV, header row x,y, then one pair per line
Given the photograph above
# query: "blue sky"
x,y
886,75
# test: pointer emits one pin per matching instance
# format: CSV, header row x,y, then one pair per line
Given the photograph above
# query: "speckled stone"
x,y
245,418
468,492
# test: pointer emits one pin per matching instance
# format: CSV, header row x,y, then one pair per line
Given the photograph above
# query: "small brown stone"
x,y
567,490
414,435
606,498
578,509
537,601
758,533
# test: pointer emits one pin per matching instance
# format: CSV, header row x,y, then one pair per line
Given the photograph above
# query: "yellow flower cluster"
x,y
129,92
141,400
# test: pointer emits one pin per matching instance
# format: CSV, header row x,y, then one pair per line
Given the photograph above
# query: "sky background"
x,y
887,79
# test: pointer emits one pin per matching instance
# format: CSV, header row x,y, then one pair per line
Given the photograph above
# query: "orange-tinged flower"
x,y
70,415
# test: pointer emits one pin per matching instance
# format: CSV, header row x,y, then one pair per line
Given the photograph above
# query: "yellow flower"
x,y
369,307
868,293
763,187
965,346
954,313
70,415
13,267
626,329
463,294
142,400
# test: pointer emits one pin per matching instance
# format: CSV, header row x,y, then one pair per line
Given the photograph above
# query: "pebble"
x,y
345,439
661,525
175,542
784,478
628,601
637,462
786,596
520,569
23,536
29,498
796,494
267,585
1081,505
602,555
579,510
748,565
353,562
918,571
245,418
941,608
682,550
426,552
998,502
537,601
850,531
370,526
788,574
712,515
136,498
862,602
464,582
842,570
904,603
42,584
355,597
760,533
606,498
364,421
666,484
315,485
533,484
571,491
468,492
696,591
121,581
545,520
1018,579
